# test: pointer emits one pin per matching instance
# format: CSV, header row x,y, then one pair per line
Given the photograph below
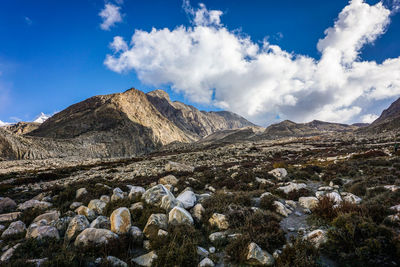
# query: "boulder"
x,y
118,194
317,237
279,173
206,262
136,207
178,167
218,237
9,217
289,187
335,197
308,202
120,221
169,179
349,197
76,226
257,256
15,228
136,193
101,222
61,224
219,220
7,204
281,209
80,193
187,198
146,259
38,231
179,216
160,196
154,223
35,204
89,213
94,236
97,206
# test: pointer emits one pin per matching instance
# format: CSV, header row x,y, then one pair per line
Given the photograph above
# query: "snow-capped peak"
x,y
41,118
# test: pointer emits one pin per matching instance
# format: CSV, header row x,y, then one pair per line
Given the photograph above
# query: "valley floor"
x,y
317,201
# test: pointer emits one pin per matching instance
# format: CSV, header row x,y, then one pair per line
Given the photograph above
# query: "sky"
x,y
336,61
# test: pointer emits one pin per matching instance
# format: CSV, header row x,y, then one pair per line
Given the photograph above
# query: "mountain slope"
x,y
192,121
388,121
291,129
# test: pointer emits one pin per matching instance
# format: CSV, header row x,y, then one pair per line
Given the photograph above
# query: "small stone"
x,y
187,198
75,205
136,207
317,237
115,262
39,231
197,212
178,167
136,234
9,253
118,194
219,220
211,249
49,216
290,187
7,204
34,204
9,217
105,198
136,193
202,252
206,262
308,202
89,213
80,192
217,237
281,209
97,206
279,173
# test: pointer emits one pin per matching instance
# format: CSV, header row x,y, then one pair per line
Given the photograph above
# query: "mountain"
x,y
289,128
22,127
192,121
117,125
388,121
41,118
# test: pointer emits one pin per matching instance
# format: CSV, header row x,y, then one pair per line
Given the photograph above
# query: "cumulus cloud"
x,y
210,64
110,16
368,118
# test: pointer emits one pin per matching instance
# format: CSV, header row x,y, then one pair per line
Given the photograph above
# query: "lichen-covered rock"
x,y
308,202
317,237
97,206
257,256
76,226
61,224
101,222
279,173
15,228
136,193
197,212
154,223
89,213
94,236
219,220
178,167
146,259
39,231
160,196
169,179
9,217
35,204
120,221
7,204
80,193
187,198
179,216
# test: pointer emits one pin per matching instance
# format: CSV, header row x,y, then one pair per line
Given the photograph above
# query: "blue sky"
x,y
52,55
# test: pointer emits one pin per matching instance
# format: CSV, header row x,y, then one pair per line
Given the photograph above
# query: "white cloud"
x,y
28,21
110,15
211,65
368,118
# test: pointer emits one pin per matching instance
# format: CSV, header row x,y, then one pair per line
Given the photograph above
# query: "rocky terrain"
x,y
315,201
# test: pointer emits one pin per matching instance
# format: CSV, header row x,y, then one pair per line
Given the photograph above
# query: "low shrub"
x,y
300,254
